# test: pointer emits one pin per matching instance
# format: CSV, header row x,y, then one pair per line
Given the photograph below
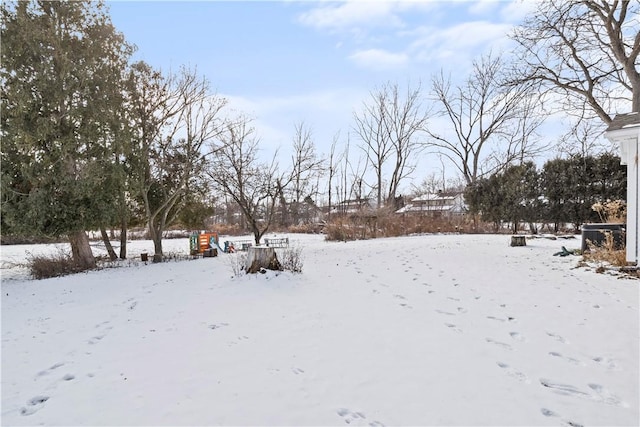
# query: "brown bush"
x,y
228,229
59,264
311,228
606,252
387,224
339,230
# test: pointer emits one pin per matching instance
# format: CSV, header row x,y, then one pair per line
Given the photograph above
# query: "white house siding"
x,y
625,131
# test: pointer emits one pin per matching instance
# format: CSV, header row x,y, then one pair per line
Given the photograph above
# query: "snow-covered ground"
x,y
423,330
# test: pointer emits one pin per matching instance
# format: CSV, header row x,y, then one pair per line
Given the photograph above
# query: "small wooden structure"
x,y
518,241
260,257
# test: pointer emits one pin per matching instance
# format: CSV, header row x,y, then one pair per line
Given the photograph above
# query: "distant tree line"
x,y
563,192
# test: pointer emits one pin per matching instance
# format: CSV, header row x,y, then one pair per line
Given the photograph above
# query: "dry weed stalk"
x,y
606,252
612,211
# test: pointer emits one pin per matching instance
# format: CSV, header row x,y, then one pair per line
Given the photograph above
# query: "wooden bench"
x,y
279,242
242,245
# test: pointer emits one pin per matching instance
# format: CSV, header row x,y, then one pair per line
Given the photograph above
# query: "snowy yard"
x,y
424,330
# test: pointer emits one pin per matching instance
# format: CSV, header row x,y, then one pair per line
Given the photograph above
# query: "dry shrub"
x,y
606,252
237,261
386,224
291,259
56,265
310,228
611,210
340,230
228,229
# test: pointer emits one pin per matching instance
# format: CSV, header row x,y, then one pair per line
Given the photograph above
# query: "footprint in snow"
x,y
217,325
605,361
568,359
33,405
517,336
350,416
549,413
520,376
48,370
453,327
297,371
557,337
498,343
96,339
601,394
606,397
447,313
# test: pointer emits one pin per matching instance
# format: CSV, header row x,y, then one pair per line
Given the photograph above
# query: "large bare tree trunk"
x,y
107,244
156,237
81,250
123,240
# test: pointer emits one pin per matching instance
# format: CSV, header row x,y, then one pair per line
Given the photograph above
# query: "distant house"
x,y
624,130
440,204
352,206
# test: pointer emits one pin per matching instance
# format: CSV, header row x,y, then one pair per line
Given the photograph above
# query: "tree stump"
x,y
260,258
518,241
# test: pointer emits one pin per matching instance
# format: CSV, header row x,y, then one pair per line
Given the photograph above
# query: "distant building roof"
x,y
439,202
432,196
622,121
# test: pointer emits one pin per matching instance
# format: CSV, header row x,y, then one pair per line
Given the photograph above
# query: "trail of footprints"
x,y
595,392
37,402
356,417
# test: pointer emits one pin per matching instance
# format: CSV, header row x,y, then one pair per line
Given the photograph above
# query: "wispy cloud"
x,y
482,7
395,35
351,16
379,59
515,11
462,40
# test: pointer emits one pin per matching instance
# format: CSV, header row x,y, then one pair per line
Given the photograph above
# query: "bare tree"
x,y
306,167
177,116
236,169
586,51
333,162
583,139
493,124
388,127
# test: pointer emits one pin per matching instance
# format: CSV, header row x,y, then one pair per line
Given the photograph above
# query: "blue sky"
x,y
292,61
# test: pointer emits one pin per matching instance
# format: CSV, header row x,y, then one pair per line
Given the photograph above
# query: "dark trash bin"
x,y
595,234
211,252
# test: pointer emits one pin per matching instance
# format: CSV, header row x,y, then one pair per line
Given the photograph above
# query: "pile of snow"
x,y
422,330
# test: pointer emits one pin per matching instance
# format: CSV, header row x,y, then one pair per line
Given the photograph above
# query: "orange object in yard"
x,y
202,242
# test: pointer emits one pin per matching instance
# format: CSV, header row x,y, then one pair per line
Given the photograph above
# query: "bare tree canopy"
x,y
388,126
236,169
174,118
306,169
586,51
493,123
